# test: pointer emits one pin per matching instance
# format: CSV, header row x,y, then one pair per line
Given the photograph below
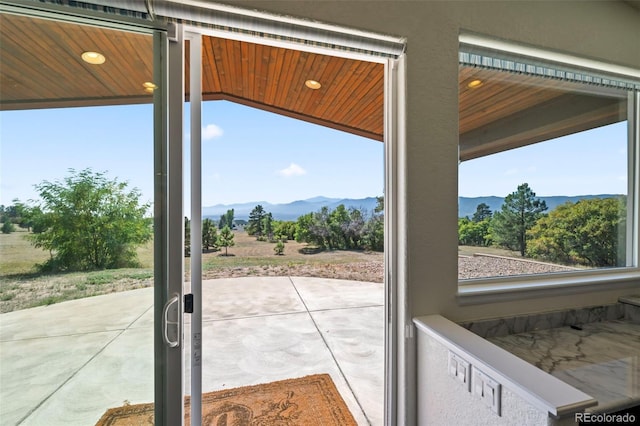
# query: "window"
x,y
547,178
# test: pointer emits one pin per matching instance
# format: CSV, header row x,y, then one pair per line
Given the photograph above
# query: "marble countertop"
x,y
601,359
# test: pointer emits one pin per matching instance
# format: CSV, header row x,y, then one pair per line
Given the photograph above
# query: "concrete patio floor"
x,y
67,363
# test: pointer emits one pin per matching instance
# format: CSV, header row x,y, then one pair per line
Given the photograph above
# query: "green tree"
x,y
209,235
379,205
226,219
354,231
341,229
279,248
483,212
373,233
518,214
255,225
589,232
225,239
339,220
230,217
18,213
223,221
91,222
472,233
267,226
320,229
303,228
286,229
35,219
8,227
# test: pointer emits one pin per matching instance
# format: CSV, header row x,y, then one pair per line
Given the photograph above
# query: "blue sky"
x,y
251,155
590,162
248,154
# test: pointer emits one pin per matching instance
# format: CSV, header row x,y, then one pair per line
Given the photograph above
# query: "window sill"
x,y
505,289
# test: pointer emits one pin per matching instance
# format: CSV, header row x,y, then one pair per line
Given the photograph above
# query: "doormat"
x,y
310,400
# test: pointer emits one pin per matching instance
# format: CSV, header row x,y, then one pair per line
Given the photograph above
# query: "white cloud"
x,y
211,131
292,170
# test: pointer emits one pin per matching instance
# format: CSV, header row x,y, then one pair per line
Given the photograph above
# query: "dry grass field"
x,y
22,286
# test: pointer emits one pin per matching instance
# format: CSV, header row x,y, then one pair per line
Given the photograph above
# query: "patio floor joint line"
x,y
75,373
364,413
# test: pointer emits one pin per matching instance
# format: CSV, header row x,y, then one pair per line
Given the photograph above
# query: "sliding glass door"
x,y
83,117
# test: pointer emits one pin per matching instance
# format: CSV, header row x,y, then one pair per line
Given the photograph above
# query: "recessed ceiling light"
x,y
474,84
312,84
149,87
94,58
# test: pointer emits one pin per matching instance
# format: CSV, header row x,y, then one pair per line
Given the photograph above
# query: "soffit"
x,y
351,97
510,110
40,67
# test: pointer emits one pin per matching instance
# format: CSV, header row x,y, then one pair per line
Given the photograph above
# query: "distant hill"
x,y
289,211
467,205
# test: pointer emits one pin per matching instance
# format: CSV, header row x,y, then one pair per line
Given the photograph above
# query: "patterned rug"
x,y
310,400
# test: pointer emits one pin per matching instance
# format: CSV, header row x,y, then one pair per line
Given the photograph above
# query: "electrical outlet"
x,y
460,370
487,389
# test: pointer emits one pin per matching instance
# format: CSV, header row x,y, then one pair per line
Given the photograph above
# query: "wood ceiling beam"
x,y
561,116
292,114
73,103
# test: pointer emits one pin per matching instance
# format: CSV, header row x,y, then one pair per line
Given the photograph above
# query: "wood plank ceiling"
x,y
41,67
511,110
350,98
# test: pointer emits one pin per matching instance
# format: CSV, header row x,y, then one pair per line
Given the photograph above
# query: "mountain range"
x,y
291,211
467,205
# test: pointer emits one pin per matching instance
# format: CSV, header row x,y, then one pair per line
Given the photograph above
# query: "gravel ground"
x,y
356,271
480,266
477,266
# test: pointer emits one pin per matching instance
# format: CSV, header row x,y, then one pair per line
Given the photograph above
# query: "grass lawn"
x,y
18,256
22,286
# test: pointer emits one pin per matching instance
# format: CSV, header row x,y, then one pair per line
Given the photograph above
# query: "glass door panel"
x,y
77,257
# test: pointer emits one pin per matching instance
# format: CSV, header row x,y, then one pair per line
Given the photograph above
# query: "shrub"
x,y
279,248
589,232
8,227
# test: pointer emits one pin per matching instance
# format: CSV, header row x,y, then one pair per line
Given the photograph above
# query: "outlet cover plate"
x,y
460,369
489,390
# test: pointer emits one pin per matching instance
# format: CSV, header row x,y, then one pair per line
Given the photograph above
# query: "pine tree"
x,y
225,239
518,214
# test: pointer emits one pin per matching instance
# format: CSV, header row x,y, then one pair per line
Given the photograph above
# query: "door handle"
x,y
166,323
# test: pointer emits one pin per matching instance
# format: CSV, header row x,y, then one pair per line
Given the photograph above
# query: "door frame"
x,y
399,336
169,226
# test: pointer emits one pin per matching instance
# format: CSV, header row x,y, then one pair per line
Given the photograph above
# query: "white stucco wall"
x,y
442,401
607,31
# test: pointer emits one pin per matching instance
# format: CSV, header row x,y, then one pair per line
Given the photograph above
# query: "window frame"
x,y
481,290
